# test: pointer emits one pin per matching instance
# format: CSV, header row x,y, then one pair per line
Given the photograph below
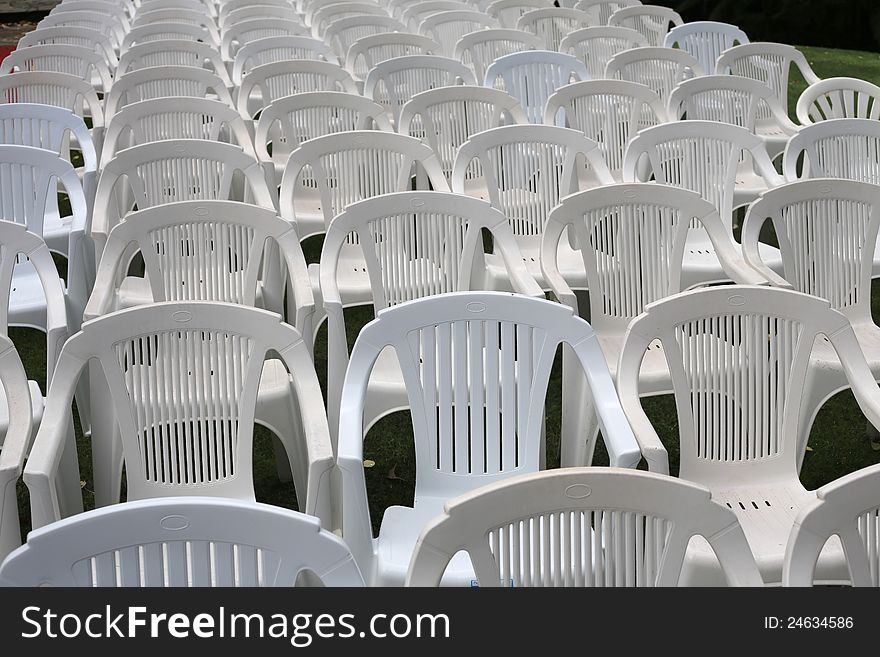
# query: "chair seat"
x,y
701,266
309,215
766,514
401,527
27,301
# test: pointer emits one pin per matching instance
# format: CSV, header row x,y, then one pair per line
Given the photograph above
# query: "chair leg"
x,y
107,457
820,386
580,424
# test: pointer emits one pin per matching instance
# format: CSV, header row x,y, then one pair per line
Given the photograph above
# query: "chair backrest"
x,y
595,46
15,444
475,421
413,14
56,89
287,122
342,34
174,52
240,34
826,230
839,98
85,63
331,13
393,82
531,76
836,148
99,21
254,12
610,112
27,177
203,541
206,6
632,238
172,170
72,36
163,31
47,127
660,69
368,51
586,527
347,167
194,251
230,6
103,6
552,24
651,21
186,118
769,63
184,16
603,10
165,82
702,156
705,40
287,78
183,380
508,12
479,49
446,117
447,27
278,49
738,357
729,99
526,170
846,508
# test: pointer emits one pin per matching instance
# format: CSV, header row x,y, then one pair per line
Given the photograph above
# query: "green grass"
x,y
839,442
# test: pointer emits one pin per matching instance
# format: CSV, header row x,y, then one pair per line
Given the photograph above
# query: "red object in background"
x,y
5,50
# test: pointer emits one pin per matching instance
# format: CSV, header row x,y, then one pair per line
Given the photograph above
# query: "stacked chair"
x,y
473,171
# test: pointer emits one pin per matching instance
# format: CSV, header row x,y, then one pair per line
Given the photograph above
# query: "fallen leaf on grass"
x,y
369,463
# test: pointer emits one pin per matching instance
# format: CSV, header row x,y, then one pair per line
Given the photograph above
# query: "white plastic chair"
x,y
446,117
825,228
835,148
603,10
230,6
393,82
412,245
174,52
595,46
838,98
269,82
326,174
479,49
447,27
288,122
738,357
508,12
705,40
165,31
344,33
208,6
102,22
524,171
331,13
368,51
85,63
846,508
15,415
100,6
240,34
633,240
610,112
769,63
179,542
165,82
581,527
474,421
181,16
183,379
652,22
553,24
704,156
72,36
173,170
741,101
659,69
412,14
186,118
531,76
277,49
256,11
